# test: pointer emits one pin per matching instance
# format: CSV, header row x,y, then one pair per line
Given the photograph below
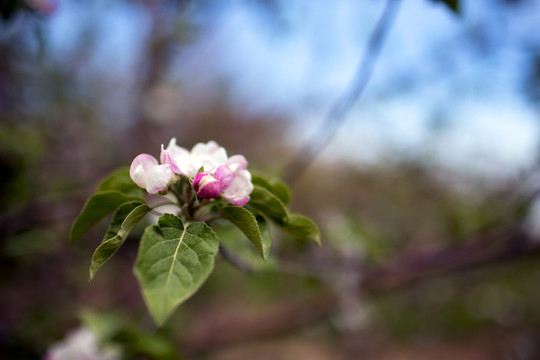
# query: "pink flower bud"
x,y
207,186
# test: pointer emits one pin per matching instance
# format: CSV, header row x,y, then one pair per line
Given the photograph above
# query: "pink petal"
x,y
225,175
237,162
240,188
237,200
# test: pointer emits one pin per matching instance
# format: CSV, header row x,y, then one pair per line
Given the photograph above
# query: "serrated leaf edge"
x,y
125,232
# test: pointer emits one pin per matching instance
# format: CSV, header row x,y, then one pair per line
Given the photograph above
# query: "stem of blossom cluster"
x,y
186,212
234,260
177,195
164,204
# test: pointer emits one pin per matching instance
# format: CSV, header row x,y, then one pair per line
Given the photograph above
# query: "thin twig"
x,y
234,260
343,106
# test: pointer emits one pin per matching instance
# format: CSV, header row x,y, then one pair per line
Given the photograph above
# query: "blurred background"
x,y
409,130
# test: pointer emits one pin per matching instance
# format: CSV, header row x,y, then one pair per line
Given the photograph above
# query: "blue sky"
x,y
302,59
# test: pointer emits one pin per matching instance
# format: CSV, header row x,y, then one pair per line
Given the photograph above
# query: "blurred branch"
x,y
490,250
223,329
343,106
234,260
406,270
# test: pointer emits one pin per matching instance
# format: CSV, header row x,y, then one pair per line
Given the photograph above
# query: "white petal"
x,y
211,155
181,159
158,178
140,167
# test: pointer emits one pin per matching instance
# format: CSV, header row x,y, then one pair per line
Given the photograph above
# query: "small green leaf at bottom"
x,y
173,262
124,220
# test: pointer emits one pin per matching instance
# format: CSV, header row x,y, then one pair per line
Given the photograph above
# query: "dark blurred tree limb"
x,y
404,271
339,111
488,250
224,329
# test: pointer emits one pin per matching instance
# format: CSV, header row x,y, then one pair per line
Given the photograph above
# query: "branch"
x,y
234,260
343,106
226,329
481,253
219,329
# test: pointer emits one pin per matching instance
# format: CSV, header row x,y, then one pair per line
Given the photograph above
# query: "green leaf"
x,y
246,222
124,220
121,181
276,187
173,262
301,226
96,208
268,204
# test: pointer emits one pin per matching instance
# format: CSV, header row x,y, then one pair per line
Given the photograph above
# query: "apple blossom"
x,y
148,174
221,175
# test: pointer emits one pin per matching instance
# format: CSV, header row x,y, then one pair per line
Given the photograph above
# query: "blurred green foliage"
x,y
21,149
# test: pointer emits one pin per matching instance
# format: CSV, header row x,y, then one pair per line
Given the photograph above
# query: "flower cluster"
x,y
210,170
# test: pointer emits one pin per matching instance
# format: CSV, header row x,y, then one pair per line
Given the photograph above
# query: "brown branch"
x,y
221,329
483,252
229,329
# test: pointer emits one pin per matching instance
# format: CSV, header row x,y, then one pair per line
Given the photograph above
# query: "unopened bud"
x,y
207,186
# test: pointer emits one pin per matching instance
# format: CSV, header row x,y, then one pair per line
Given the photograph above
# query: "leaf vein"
x,y
174,257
